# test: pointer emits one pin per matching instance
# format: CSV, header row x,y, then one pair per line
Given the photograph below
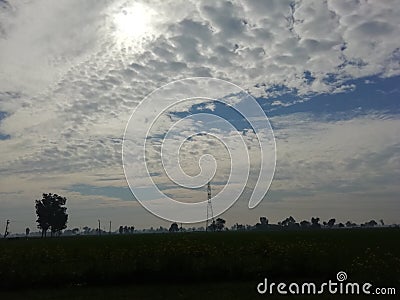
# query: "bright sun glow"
x,y
133,22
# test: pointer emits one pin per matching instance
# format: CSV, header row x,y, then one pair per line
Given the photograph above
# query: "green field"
x,y
227,265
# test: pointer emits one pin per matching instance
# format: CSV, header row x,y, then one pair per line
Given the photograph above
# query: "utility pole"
x,y
99,227
210,213
6,231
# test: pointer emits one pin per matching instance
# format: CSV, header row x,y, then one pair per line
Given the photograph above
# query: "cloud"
x,y
356,155
70,79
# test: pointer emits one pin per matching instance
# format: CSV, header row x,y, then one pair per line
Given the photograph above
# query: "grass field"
x,y
227,265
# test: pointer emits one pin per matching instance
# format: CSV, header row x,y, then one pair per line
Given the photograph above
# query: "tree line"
x,y
52,217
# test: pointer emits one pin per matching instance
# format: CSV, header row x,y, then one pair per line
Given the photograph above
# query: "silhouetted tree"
x,y
350,224
220,224
27,231
86,230
162,229
340,225
382,223
305,224
52,214
212,226
288,222
331,222
371,223
174,228
263,225
315,223
238,226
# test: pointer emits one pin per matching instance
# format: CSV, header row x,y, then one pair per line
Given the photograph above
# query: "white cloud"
x,y
280,103
69,80
350,154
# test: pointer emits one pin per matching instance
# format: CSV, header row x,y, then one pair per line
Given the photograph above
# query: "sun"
x,y
133,22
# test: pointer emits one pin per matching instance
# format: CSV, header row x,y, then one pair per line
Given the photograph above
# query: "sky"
x,y
326,73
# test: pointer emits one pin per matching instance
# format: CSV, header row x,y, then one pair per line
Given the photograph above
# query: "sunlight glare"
x,y
133,22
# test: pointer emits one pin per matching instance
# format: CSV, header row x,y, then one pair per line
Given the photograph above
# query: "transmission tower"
x,y
210,214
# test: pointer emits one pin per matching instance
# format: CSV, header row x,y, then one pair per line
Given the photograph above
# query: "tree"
x,y
305,224
174,228
262,225
52,214
288,222
27,231
238,226
212,226
371,223
350,224
315,223
86,230
220,224
263,221
331,222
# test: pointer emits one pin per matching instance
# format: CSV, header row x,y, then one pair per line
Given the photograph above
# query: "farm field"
x,y
228,265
